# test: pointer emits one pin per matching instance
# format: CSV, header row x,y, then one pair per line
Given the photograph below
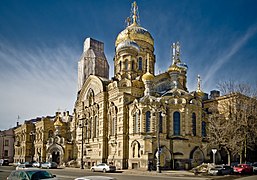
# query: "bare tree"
x,y
233,119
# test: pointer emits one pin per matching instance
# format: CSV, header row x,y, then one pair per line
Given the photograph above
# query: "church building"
x,y
137,117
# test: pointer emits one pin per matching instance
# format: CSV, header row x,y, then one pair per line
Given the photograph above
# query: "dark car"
x,y
31,174
221,170
4,162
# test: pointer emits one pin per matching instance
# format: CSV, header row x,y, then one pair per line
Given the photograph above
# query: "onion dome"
x,y
200,93
174,67
147,77
58,121
136,32
128,44
183,66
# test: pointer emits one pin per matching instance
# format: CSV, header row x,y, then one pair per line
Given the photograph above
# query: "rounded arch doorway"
x,y
55,154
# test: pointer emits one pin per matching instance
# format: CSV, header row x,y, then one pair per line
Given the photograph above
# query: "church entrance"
x,y
55,153
56,157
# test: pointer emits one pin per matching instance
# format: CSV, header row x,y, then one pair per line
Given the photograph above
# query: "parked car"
x,y
220,170
254,165
49,165
95,178
23,166
4,162
243,169
36,164
103,167
31,174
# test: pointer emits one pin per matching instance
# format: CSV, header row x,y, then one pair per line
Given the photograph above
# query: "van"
x,y
4,162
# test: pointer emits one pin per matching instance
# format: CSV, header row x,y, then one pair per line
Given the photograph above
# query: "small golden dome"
x,y
200,93
58,121
147,77
174,67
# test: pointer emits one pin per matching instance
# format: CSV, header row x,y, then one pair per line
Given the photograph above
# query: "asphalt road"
x,y
72,173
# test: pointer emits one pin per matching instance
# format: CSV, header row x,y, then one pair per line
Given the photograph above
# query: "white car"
x,y
48,165
95,178
36,164
24,166
103,167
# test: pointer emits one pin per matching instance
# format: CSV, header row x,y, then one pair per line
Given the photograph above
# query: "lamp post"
x,y
82,125
214,152
158,169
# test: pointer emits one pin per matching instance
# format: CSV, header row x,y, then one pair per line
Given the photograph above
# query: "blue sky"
x,y
41,42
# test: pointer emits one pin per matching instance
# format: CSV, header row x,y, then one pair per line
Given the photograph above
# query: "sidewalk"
x,y
176,173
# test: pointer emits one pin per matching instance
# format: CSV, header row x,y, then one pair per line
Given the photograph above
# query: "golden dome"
x,y
147,77
174,67
200,93
58,121
136,33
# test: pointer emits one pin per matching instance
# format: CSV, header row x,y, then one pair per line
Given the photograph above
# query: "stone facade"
x,y
124,120
45,139
7,144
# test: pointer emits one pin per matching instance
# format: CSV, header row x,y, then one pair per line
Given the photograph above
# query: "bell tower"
x,y
132,46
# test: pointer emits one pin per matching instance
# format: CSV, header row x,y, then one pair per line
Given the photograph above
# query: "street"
x,y
72,173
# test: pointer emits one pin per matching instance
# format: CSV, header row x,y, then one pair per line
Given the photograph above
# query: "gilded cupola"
x,y
58,121
132,46
136,32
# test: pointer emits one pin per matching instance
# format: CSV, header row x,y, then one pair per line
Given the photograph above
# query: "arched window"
x,y
140,65
204,129
126,64
132,65
146,65
94,127
160,123
50,133
194,124
113,126
136,122
176,123
90,97
147,121
90,128
120,65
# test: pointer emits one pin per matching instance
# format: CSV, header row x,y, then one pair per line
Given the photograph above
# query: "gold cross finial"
x,y
135,9
198,83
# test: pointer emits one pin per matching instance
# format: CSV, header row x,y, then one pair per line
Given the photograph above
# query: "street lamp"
x,y
81,125
158,169
213,153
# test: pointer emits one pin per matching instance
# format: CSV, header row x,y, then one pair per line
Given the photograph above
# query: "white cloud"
x,y
36,82
226,55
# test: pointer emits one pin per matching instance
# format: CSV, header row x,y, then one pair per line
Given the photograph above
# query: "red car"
x,y
243,169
